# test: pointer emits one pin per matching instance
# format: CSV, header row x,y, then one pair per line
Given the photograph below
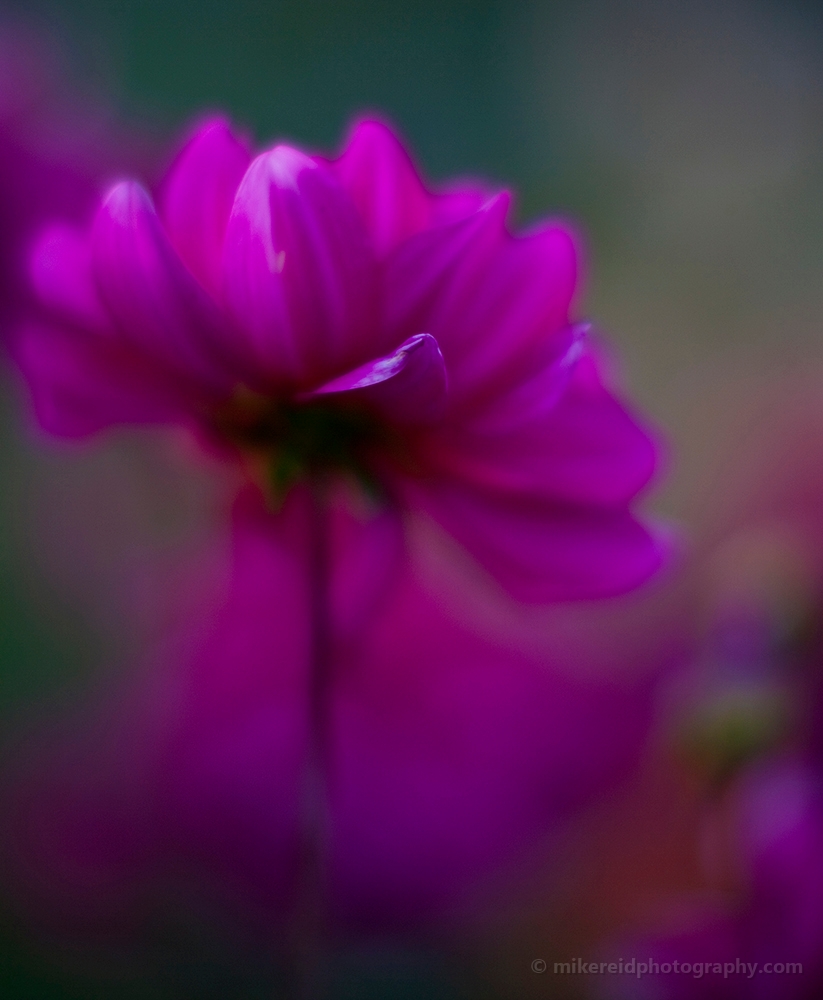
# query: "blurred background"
x,y
687,140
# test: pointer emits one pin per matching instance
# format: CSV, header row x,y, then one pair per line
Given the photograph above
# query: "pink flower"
x,y
318,316
455,752
54,155
766,944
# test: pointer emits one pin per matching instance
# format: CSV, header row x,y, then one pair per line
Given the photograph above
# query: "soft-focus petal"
x,y
486,297
198,195
381,180
500,313
299,275
455,755
419,273
55,151
781,813
61,274
541,551
80,384
152,299
369,552
229,799
229,793
458,202
408,386
558,435
779,844
450,754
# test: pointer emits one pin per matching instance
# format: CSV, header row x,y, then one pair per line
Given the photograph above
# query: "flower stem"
x,y
311,917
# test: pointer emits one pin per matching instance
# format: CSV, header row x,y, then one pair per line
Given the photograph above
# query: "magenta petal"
x,y
80,384
781,820
230,795
381,180
198,195
299,274
456,755
369,553
540,551
506,308
487,298
558,435
533,395
450,754
458,203
431,269
61,274
383,183
408,386
152,299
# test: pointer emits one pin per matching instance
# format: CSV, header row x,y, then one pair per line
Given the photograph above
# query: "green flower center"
x,y
299,440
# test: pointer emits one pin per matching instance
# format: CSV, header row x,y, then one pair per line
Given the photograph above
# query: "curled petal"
x,y
154,302
299,275
558,436
487,298
408,386
540,551
198,195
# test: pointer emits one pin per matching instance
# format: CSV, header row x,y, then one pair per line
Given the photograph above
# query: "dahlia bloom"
x,y
319,321
317,317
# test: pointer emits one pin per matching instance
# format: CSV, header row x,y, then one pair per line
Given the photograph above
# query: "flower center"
x,y
297,440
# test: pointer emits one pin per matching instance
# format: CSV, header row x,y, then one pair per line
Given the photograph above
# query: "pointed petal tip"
x,y
197,193
544,552
372,129
371,124
123,199
497,206
281,165
215,121
640,564
212,130
298,272
565,242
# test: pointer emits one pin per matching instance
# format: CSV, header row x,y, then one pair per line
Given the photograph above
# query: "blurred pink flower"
x,y
313,319
768,943
54,155
334,316
752,704
454,755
